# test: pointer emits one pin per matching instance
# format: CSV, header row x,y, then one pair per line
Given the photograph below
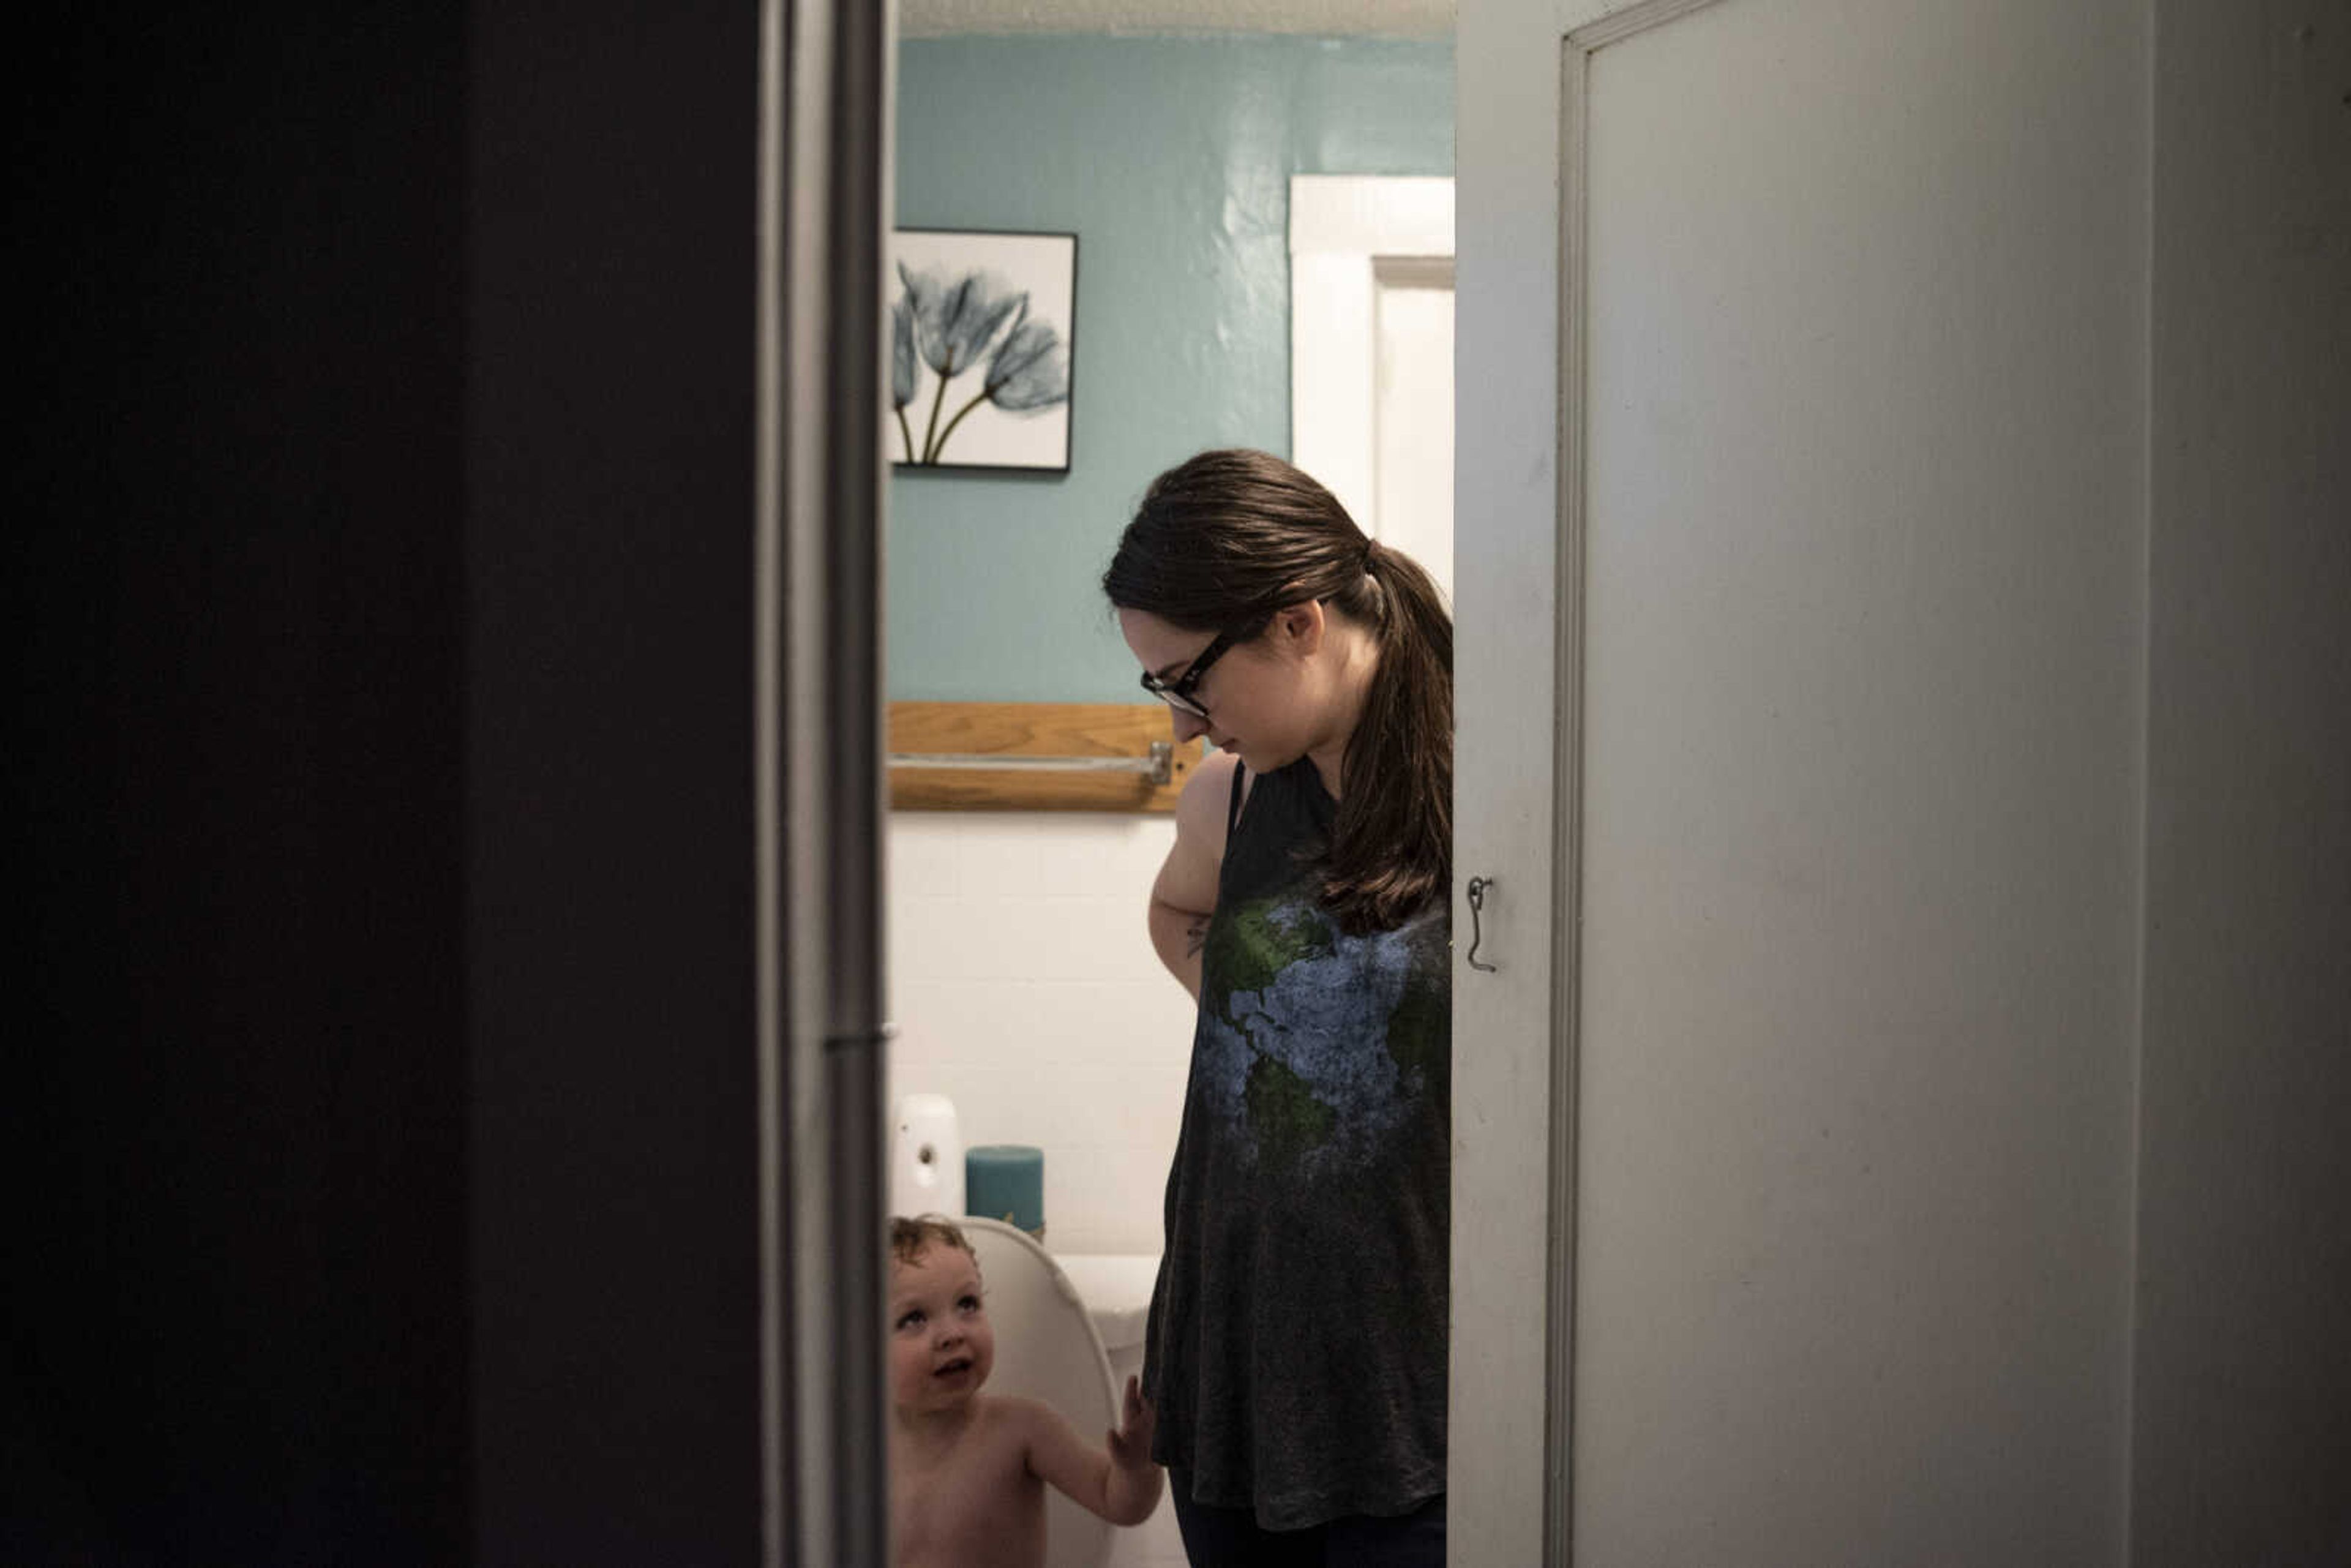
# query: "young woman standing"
x,y
1297,1342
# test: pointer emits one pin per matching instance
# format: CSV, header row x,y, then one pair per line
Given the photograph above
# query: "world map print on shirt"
x,y
1321,1044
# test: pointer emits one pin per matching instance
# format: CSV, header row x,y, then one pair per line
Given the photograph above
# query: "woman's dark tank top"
x,y
1296,1345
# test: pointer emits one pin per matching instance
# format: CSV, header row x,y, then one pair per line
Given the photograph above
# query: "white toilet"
x,y
1047,1349
1069,1331
1116,1288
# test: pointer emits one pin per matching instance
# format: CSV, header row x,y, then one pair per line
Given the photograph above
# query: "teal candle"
x,y
1005,1182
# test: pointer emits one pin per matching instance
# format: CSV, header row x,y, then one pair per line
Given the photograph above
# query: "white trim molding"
x,y
1341,227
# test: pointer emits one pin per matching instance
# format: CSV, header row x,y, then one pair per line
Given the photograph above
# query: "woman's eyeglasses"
x,y
1177,693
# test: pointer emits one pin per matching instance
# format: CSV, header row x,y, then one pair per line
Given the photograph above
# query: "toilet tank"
x,y
1116,1289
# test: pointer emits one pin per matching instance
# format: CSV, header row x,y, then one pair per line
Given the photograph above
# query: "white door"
x,y
1412,411
1801,447
1370,353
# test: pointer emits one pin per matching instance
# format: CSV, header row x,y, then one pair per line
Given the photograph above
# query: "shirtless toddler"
x,y
967,1470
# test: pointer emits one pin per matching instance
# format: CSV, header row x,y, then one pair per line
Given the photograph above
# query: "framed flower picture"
x,y
982,326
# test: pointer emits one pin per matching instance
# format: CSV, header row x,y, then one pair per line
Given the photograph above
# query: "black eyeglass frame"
x,y
1177,693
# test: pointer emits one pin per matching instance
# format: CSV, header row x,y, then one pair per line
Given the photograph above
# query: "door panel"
x,y
1862,414
1800,484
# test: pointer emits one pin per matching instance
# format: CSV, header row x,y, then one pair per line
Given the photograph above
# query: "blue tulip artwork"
x,y
980,345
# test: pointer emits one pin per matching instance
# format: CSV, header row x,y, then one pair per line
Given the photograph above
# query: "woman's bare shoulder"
x,y
1205,808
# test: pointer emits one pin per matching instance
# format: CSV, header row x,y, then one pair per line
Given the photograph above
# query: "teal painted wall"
x,y
1170,158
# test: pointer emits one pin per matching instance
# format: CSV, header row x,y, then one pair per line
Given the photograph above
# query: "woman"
x,y
1296,1349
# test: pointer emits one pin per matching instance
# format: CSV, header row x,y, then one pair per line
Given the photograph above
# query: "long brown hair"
x,y
1224,541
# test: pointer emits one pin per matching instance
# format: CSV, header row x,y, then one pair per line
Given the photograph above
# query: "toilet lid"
x,y
1047,1350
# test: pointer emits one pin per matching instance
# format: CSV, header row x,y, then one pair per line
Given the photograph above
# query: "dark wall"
x,y
380,1119
2241,1376
609,865
239,1279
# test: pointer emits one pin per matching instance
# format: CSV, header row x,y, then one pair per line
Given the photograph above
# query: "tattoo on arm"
x,y
1196,937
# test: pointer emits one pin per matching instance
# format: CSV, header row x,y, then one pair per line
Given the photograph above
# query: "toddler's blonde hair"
x,y
910,1238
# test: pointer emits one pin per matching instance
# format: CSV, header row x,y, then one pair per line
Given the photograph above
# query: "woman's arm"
x,y
1185,893
1121,1484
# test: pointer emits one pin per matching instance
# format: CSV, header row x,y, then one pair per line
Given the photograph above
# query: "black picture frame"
x,y
983,349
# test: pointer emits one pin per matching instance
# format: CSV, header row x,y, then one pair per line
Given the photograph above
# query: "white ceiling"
x,y
1376,18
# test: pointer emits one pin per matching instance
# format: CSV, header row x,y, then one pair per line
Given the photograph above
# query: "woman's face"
x,y
1263,701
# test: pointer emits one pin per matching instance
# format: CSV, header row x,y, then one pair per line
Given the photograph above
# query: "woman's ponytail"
x,y
1391,845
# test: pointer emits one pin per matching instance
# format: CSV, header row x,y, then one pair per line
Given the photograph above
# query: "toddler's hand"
x,y
1130,1446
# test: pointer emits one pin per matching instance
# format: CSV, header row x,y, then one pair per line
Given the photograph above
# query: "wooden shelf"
x,y
975,730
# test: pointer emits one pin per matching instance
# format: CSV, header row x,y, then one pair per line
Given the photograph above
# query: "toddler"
x,y
967,1470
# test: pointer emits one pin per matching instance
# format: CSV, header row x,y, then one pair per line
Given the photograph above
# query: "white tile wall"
x,y
1025,989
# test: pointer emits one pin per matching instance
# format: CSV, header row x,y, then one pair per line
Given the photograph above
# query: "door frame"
x,y
826,78
1518,819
